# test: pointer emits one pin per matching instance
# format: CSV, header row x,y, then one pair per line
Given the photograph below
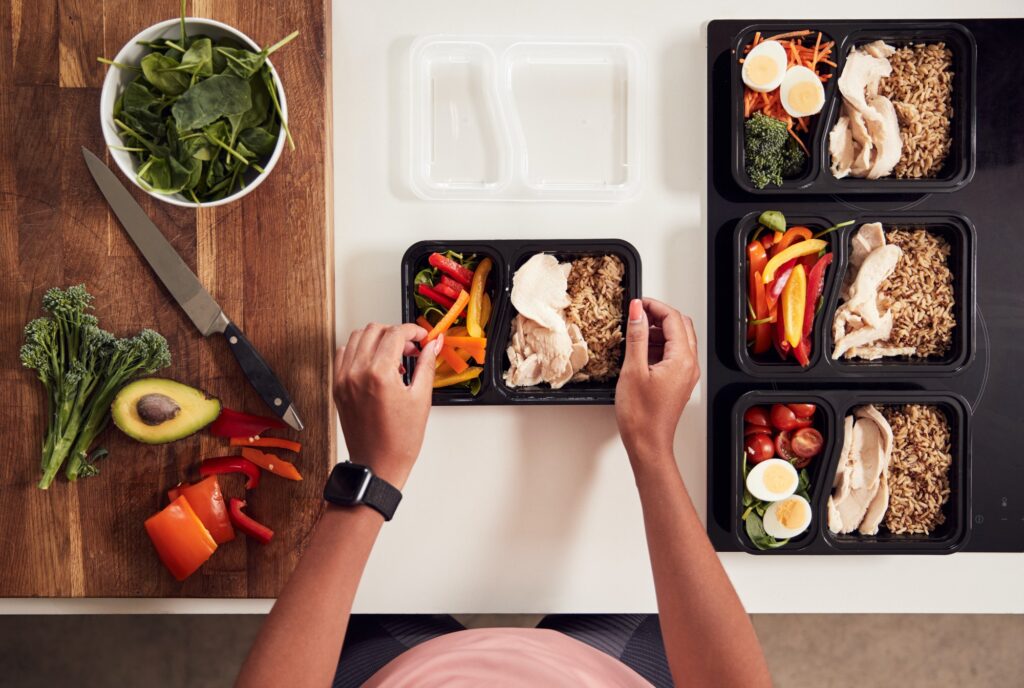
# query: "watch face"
x,y
348,482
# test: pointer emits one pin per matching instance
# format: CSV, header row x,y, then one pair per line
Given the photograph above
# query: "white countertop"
x,y
546,517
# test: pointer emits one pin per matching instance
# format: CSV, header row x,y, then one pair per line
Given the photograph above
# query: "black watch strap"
x,y
351,484
382,496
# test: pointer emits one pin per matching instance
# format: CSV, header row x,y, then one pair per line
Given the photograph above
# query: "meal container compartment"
x,y
960,164
954,532
484,126
508,255
812,170
825,422
960,233
414,260
768,365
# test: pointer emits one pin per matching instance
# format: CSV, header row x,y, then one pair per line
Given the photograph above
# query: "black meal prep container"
x,y
833,407
817,177
508,256
955,228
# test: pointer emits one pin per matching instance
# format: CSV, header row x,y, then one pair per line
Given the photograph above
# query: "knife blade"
x,y
188,291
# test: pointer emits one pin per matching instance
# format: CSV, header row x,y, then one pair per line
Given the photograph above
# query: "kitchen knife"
x,y
184,286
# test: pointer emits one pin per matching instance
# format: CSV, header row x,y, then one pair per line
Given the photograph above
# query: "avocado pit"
x,y
154,409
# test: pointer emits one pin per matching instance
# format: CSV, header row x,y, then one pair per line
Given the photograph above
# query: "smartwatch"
x,y
351,484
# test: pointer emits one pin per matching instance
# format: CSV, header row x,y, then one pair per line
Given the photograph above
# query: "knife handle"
x,y
258,372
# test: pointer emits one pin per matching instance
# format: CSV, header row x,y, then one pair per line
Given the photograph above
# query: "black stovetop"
x,y
993,201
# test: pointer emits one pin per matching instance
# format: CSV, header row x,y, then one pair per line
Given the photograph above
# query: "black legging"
x,y
374,640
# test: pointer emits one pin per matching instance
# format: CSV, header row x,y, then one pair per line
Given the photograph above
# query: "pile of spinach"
x,y
200,115
754,508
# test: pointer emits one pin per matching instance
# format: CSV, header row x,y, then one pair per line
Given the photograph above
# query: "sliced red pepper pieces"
x,y
248,525
447,290
773,290
271,442
232,464
272,463
451,284
181,540
802,353
815,287
460,274
757,257
237,424
762,331
434,295
207,501
779,338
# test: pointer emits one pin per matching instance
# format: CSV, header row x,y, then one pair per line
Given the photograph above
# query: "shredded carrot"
x,y
790,34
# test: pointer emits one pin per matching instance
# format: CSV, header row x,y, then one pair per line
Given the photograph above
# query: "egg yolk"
x,y
791,513
762,69
777,479
803,97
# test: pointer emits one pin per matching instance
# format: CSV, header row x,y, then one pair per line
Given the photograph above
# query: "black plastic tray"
x,y
956,228
508,255
833,406
817,178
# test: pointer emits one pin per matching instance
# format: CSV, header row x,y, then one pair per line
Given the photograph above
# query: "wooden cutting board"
x,y
266,259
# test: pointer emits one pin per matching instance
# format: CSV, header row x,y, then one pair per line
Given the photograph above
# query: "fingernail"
x,y
636,311
438,344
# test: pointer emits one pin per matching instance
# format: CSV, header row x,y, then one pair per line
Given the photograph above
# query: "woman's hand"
x,y
658,374
382,418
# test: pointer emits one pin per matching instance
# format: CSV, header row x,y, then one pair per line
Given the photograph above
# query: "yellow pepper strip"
x,y
485,311
476,298
450,317
450,380
797,250
454,361
794,300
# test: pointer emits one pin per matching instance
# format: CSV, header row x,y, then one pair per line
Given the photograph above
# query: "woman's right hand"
x,y
659,372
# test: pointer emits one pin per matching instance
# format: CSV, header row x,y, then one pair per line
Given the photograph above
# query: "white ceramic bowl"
x,y
117,79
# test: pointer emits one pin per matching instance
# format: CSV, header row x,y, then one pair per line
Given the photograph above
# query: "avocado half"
x,y
155,410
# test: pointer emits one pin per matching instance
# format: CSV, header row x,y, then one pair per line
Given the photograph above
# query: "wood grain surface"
x,y
266,259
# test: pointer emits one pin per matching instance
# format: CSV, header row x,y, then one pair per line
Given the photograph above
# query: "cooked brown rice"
x,y
921,89
920,293
595,294
919,470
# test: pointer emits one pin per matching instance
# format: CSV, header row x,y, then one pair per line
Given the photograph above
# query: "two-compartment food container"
x,y
508,256
817,177
525,118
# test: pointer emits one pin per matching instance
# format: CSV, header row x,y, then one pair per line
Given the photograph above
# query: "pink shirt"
x,y
505,657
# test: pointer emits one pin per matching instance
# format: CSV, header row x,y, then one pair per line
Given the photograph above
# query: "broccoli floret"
x,y
771,153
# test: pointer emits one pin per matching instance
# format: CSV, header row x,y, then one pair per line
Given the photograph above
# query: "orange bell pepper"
x,y
181,540
756,257
207,501
271,442
449,319
797,250
466,342
792,235
454,361
474,313
794,301
272,463
762,331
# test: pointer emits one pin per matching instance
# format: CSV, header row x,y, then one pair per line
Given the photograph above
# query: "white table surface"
x,y
546,517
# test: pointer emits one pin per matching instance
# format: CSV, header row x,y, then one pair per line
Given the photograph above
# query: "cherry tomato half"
x,y
783,418
756,415
803,410
807,443
784,448
750,429
758,448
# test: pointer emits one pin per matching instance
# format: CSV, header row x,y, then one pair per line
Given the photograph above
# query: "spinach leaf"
x,y
244,63
198,59
159,70
219,96
258,140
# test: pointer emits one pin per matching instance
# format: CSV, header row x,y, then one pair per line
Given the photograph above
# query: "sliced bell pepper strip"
x,y
815,287
272,463
782,347
464,376
237,424
181,540
763,330
485,311
271,442
434,295
447,291
767,241
797,250
802,353
232,464
792,235
773,290
207,501
454,361
476,298
448,320
451,284
794,299
248,525
757,258
459,273
174,492
466,342
476,353
424,323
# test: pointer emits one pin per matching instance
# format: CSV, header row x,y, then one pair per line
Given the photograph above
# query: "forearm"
x,y
301,640
709,639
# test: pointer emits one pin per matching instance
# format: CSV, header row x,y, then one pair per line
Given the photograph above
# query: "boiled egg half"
x,y
764,66
801,92
788,517
772,480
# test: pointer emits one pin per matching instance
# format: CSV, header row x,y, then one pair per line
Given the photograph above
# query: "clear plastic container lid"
x,y
527,119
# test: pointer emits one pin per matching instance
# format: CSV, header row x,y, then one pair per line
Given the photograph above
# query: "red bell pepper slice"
x,y
207,501
762,331
272,463
447,281
271,442
447,290
757,257
774,290
237,424
815,287
802,353
181,540
434,295
460,274
248,525
779,338
232,464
